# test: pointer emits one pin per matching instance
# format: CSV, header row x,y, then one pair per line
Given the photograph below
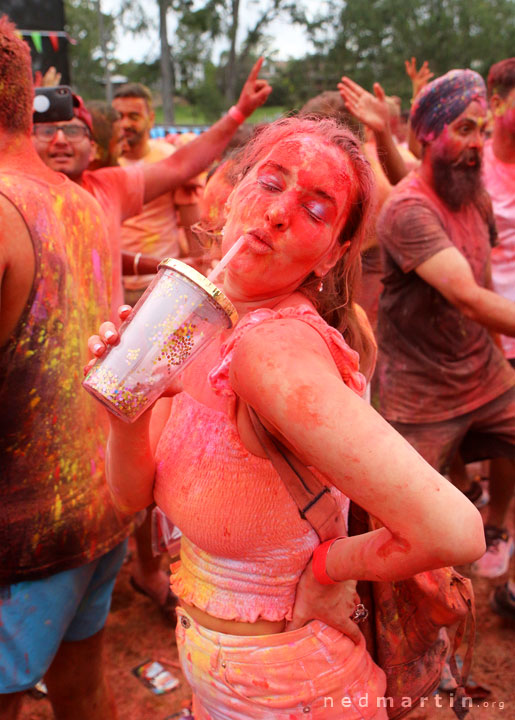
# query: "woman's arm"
x,y
130,465
286,373
130,453
372,111
191,159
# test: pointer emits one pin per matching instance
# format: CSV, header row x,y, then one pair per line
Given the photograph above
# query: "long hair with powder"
x,y
16,87
334,302
501,78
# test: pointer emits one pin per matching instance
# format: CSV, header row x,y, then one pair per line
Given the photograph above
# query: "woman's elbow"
x,y
467,541
476,536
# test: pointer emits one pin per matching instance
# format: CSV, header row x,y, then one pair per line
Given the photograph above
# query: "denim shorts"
x,y
312,673
37,615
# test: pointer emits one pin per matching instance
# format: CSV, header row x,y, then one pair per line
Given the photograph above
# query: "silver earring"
x,y
320,285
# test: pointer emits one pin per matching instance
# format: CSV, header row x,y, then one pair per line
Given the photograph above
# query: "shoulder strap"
x,y
312,497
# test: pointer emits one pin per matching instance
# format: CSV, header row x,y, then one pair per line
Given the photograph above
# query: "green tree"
x,y
199,25
371,40
86,64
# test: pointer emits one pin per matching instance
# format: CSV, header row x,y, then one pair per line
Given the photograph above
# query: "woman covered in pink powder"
x,y
260,633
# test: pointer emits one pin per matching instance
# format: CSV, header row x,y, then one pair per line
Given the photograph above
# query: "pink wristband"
x,y
236,114
320,562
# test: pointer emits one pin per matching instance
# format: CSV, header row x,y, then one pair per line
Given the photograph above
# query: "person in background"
x,y
499,178
442,381
69,147
331,104
122,192
156,229
62,539
107,134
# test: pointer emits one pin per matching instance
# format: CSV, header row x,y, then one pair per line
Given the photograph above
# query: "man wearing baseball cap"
x,y
68,147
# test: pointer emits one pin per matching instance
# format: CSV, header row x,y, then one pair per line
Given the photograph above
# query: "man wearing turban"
x,y
443,382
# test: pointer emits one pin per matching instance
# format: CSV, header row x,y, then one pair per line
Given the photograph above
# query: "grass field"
x,y
193,116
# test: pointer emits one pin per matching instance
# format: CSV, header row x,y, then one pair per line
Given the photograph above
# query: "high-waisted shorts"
x,y
313,672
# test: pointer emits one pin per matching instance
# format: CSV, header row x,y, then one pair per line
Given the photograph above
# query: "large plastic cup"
x,y
178,315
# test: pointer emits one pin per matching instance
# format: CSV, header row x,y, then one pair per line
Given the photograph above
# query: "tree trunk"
x,y
230,88
105,58
166,67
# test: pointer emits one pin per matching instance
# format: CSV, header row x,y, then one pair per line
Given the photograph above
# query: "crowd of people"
x,y
375,292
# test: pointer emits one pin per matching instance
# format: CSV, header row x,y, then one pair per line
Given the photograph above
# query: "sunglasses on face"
x,y
73,133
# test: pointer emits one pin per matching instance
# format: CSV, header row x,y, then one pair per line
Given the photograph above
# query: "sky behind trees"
x,y
368,41
287,40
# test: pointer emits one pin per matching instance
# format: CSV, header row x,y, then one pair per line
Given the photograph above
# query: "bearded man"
x,y
442,381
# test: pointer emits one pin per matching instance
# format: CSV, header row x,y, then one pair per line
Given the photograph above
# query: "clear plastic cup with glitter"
x,y
178,315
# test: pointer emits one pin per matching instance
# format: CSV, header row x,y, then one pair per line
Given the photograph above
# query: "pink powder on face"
x,y
291,208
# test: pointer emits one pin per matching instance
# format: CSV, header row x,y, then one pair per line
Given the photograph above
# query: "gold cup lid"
x,y
195,276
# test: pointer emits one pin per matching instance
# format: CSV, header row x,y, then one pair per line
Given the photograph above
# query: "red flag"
x,y
55,41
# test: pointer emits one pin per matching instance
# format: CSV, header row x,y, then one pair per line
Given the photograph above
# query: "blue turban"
x,y
443,100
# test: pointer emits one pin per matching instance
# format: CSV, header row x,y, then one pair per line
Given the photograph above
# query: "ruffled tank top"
x,y
244,544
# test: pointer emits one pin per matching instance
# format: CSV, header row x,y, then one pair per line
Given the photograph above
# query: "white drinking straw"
x,y
226,258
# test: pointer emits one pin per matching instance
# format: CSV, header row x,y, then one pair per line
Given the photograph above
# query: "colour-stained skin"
x,y
121,192
56,514
54,500
302,204
243,565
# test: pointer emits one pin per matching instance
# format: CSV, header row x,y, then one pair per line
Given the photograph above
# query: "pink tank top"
x,y
244,543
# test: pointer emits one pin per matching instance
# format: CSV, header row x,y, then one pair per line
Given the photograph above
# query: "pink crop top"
x,y
244,545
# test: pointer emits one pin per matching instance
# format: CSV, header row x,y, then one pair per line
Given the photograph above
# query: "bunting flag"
x,y
52,35
36,39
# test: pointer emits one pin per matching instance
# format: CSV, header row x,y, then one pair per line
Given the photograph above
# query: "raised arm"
x,y
419,79
196,156
449,272
372,110
301,398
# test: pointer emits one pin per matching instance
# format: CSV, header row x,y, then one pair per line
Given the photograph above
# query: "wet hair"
x,y
103,116
16,87
501,78
335,301
329,104
135,90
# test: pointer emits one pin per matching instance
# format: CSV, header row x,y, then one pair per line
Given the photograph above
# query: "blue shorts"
x,y
36,616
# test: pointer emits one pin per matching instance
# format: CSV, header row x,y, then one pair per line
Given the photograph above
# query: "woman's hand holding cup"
x,y
107,335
